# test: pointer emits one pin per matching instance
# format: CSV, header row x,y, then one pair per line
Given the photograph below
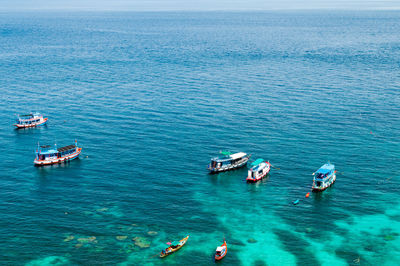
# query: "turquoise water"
x,y
151,97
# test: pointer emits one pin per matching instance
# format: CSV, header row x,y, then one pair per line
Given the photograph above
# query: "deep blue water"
x,y
151,97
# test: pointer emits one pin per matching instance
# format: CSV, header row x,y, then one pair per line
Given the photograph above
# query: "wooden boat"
x,y
259,169
228,162
324,177
173,247
47,154
30,120
221,251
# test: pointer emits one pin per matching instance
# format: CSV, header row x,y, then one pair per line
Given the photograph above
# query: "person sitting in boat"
x,y
165,251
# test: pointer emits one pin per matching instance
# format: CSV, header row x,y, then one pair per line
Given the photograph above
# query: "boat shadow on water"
x,y
256,186
324,195
228,177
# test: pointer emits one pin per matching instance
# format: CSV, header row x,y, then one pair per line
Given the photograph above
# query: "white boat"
x,y
228,162
259,169
30,120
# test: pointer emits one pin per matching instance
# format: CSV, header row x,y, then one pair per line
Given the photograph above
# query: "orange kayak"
x,y
221,251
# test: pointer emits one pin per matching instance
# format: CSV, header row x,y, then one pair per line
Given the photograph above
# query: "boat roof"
x,y
238,155
48,149
257,162
226,153
258,167
66,148
26,115
220,248
326,168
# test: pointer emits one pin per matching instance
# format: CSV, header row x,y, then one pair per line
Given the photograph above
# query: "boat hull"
x,y
230,167
59,160
19,126
320,189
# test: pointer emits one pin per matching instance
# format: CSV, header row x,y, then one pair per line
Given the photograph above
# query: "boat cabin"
x,y
220,251
48,152
28,119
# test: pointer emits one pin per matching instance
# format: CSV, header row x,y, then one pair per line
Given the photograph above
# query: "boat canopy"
x,y
226,153
27,115
66,148
326,168
257,162
219,249
238,155
48,149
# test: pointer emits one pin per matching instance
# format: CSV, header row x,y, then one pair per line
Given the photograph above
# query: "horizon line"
x,y
80,9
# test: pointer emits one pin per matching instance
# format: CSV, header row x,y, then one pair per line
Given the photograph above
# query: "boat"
x,y
228,162
296,202
173,247
259,169
324,177
221,251
47,154
30,120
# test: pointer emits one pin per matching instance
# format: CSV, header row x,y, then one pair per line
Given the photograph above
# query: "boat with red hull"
x,y
259,169
30,120
46,155
221,251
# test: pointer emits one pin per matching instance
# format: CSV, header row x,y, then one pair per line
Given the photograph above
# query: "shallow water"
x,y
152,96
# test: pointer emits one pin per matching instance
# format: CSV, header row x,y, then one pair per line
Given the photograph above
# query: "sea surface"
x,y
151,97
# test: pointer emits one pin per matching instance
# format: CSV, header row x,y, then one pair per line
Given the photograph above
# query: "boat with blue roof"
x,y
30,120
47,154
229,161
324,177
258,170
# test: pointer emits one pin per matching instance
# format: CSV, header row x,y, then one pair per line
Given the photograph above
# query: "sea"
x,y
151,97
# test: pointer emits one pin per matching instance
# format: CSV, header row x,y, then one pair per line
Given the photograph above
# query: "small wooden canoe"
x,y
221,251
173,247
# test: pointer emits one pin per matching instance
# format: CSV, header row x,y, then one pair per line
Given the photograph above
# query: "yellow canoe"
x,y
171,249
